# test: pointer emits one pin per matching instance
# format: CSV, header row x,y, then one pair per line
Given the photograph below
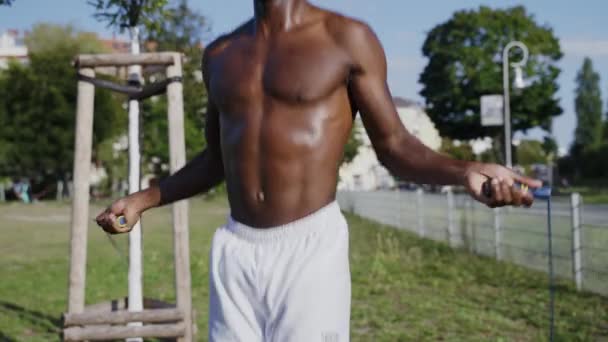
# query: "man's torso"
x,y
284,114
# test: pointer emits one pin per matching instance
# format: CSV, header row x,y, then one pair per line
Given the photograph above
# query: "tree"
x,y
530,152
38,103
352,146
6,2
181,29
605,131
457,149
125,14
465,62
588,106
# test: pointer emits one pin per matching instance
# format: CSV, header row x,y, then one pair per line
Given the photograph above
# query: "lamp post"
x,y
519,83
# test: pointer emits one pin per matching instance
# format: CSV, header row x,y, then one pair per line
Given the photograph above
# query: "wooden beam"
x,y
100,333
80,198
181,242
125,59
123,317
114,305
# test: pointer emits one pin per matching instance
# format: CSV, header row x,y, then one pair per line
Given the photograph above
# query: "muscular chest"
x,y
250,72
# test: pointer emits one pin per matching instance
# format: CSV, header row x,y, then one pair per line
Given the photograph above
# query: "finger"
x,y
506,192
527,199
496,192
102,215
531,182
517,195
107,225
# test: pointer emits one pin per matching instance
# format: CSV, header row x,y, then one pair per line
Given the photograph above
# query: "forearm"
x,y
410,160
200,175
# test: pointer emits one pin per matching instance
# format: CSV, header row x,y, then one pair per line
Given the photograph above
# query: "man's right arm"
x,y
200,175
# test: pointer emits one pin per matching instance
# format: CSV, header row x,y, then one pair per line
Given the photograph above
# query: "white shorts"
x,y
288,283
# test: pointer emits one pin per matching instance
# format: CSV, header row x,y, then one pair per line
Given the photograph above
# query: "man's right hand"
x,y
131,207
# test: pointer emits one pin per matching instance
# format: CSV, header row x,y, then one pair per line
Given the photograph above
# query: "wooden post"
x,y
2,192
420,211
80,196
135,235
497,235
577,265
181,244
451,223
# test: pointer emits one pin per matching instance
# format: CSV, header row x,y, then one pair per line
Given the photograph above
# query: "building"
x,y
12,47
115,45
365,172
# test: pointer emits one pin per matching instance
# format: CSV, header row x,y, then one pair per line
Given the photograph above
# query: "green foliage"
x,y
465,62
51,37
550,147
6,2
588,106
592,163
182,30
38,103
457,150
352,145
128,13
605,134
530,152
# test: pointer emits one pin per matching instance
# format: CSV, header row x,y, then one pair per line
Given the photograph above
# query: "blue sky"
x,y
401,26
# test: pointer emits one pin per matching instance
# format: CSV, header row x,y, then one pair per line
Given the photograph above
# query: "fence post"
x,y
2,194
451,225
399,208
577,269
497,234
420,211
467,212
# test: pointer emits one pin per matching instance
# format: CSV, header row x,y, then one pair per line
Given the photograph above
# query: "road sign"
x,y
492,110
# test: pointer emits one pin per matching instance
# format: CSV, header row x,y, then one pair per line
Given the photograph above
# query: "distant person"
x,y
283,91
21,189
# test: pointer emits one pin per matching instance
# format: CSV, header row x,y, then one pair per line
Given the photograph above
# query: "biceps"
x,y
375,104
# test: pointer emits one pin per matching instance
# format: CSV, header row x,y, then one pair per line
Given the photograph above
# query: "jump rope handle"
x,y
121,223
539,193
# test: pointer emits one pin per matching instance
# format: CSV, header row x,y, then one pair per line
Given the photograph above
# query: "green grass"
x,y
591,195
404,288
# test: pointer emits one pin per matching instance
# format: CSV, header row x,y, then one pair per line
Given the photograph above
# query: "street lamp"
x,y
519,83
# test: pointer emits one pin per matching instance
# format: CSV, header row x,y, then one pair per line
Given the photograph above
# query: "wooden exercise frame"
x,y
109,320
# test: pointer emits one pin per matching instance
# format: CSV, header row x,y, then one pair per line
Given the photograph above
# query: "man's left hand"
x,y
502,182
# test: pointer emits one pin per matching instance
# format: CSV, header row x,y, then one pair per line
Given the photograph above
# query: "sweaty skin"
x,y
283,91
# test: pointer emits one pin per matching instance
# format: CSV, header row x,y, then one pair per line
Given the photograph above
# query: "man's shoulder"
x,y
220,43
347,31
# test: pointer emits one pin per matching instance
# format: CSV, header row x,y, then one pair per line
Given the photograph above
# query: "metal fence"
x,y
519,235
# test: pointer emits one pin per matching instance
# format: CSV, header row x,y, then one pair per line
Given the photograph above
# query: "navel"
x,y
260,196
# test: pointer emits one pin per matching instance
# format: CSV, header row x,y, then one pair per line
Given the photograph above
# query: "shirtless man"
x,y
283,91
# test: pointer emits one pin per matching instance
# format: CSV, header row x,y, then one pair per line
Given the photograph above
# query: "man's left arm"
x,y
401,152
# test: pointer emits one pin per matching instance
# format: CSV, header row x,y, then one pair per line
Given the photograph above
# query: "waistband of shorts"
x,y
302,227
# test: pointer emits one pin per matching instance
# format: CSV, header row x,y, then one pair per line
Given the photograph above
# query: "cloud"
x,y
585,47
